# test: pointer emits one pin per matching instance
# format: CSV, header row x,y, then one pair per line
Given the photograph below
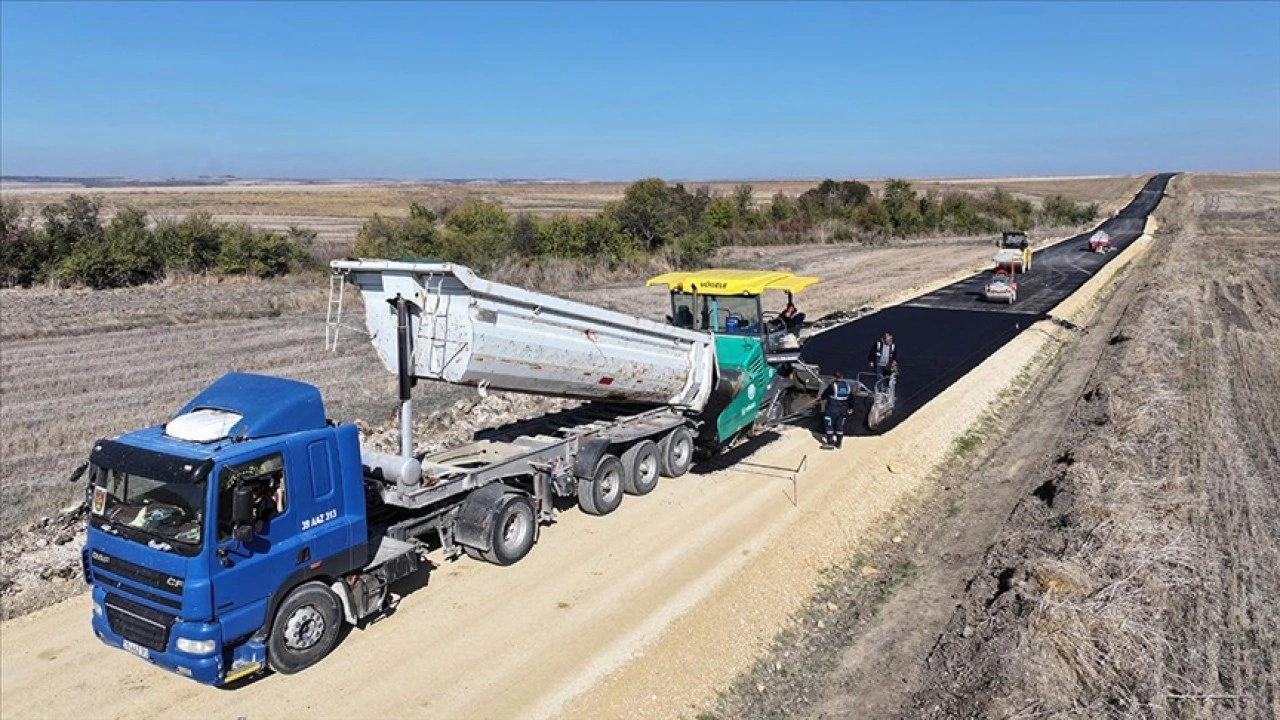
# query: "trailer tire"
x,y
643,467
602,493
675,452
515,529
305,628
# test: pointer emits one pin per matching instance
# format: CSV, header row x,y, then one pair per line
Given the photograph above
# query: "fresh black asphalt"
x,y
944,334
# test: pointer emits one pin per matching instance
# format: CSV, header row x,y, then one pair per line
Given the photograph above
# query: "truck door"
x,y
246,574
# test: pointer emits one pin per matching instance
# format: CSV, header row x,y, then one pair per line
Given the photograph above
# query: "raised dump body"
x,y
471,331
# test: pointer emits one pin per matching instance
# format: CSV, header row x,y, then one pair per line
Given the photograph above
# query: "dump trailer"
x,y
241,534
470,331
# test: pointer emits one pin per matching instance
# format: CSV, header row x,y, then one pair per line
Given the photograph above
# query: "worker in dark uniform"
x,y
792,318
836,397
883,357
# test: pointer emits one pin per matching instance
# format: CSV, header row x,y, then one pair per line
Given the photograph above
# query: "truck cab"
x,y
204,531
733,303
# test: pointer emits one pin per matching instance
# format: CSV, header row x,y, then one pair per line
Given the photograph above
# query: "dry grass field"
x,y
355,200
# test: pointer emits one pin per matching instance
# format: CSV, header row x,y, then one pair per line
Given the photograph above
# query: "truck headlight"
x,y
196,647
97,609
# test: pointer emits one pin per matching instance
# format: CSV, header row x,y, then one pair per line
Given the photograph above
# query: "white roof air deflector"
x,y
203,425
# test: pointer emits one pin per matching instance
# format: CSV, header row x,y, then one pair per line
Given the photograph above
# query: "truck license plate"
x,y
136,649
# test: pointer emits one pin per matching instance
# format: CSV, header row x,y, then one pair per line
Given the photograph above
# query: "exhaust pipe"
x,y
404,347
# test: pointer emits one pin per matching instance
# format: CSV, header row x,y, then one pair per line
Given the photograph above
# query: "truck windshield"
x,y
159,498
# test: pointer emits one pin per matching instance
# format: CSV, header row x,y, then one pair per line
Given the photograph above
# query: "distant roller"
x,y
1014,253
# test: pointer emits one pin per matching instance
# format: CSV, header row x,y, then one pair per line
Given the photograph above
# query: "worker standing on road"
x,y
884,357
836,397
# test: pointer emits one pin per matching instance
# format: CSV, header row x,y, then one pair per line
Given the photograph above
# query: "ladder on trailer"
x,y
333,314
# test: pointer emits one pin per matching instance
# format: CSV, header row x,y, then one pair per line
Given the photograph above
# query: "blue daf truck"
x,y
240,510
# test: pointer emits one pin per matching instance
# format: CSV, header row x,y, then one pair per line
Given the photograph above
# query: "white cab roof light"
x,y
204,425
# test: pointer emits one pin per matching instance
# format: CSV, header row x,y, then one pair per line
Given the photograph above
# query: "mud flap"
x,y
472,526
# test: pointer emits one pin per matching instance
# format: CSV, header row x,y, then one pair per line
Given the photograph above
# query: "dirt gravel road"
x,y
482,641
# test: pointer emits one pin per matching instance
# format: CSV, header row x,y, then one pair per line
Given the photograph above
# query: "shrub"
x,y
397,238
606,238
562,236
721,214
126,252
833,199
264,253
693,249
654,213
72,246
525,238
24,253
903,207
191,244
783,208
1058,210
71,223
477,217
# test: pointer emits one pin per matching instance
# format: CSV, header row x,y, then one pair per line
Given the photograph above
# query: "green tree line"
x,y
655,218
72,245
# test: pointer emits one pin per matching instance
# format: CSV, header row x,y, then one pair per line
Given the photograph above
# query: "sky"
x,y
620,91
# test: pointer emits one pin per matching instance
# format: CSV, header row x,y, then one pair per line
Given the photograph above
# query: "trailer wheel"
x,y
641,463
305,628
676,452
601,494
514,530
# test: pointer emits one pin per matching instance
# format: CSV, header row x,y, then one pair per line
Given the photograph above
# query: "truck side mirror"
x,y
243,513
75,475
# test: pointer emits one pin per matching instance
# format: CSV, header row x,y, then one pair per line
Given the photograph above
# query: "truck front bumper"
x,y
206,668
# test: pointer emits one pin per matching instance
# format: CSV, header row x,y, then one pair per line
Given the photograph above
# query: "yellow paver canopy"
x,y
732,282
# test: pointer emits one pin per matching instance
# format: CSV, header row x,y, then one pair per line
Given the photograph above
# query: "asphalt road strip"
x,y
944,334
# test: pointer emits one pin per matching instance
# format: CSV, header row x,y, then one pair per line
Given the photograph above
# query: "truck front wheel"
x,y
601,494
305,628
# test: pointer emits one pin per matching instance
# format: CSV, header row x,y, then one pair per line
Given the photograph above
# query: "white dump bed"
x,y
470,331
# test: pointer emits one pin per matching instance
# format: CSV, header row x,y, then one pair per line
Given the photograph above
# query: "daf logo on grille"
x,y
101,557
